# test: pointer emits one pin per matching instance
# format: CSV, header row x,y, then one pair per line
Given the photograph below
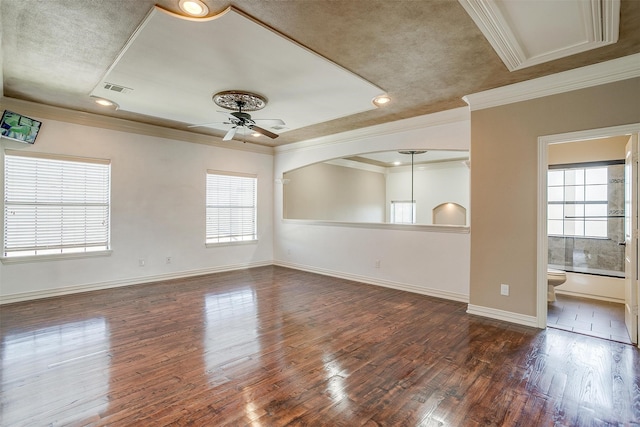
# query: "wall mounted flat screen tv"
x,y
18,127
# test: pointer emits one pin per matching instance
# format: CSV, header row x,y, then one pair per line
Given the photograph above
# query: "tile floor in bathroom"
x,y
587,316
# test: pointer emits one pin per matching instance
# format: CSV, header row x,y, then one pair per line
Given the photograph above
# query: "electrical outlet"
x,y
504,290
168,260
141,262
377,264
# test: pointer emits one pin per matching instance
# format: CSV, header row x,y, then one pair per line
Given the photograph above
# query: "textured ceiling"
x,y
426,54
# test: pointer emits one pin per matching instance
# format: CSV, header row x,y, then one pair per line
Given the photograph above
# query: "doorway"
x,y
630,285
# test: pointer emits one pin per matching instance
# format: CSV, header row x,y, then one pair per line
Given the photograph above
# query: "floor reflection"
x,y
44,371
335,376
231,331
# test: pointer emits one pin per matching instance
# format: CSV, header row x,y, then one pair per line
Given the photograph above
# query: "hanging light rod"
x,y
412,152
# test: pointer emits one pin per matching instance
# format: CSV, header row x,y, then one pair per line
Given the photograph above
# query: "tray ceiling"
x,y
426,55
530,32
172,67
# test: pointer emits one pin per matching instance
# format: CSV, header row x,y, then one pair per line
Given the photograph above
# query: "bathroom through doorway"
x,y
587,232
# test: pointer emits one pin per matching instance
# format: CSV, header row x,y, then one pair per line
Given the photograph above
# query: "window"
x,y
577,202
403,212
231,207
55,205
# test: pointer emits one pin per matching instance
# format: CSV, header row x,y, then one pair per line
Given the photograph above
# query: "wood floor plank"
x,y
272,346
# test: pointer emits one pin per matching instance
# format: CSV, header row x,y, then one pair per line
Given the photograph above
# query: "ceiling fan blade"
x,y
264,131
232,132
208,124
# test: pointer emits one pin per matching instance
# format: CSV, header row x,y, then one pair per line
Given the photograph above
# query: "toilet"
x,y
554,278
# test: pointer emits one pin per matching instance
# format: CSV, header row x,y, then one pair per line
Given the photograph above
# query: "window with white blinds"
x,y
231,207
55,205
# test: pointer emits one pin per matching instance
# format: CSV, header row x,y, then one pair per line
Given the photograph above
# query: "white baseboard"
x,y
26,296
378,282
507,316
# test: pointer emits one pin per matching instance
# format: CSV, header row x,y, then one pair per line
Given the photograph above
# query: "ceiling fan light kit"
x,y
238,102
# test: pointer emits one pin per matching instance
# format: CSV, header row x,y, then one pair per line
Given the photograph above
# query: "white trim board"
x,y
453,296
27,296
624,68
515,31
507,316
455,115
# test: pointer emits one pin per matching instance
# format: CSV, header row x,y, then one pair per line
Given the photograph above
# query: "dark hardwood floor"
x,y
273,347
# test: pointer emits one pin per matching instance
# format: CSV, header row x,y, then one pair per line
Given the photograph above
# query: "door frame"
x,y
543,165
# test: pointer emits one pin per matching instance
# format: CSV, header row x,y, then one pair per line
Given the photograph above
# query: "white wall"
x,y
425,259
157,210
433,185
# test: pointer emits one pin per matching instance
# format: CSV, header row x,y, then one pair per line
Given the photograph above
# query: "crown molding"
x,y
454,115
624,68
600,22
49,112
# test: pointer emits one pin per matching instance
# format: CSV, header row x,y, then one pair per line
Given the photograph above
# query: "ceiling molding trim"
x,y
624,68
49,112
490,21
346,163
454,115
600,21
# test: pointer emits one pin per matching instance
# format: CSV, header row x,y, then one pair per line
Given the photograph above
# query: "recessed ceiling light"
x,y
106,103
256,134
381,100
193,7
396,163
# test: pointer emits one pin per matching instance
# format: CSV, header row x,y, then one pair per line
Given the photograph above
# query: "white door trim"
x,y
543,164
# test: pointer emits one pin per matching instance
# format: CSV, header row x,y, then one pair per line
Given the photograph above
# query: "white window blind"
x,y
231,207
55,205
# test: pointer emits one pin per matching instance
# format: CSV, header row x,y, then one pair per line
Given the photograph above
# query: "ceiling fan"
x,y
242,102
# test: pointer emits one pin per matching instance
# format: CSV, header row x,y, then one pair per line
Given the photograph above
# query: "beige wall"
x,y
334,193
593,150
504,150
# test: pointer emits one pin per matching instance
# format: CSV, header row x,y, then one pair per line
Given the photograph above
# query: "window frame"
x,y
585,202
392,212
60,250
230,239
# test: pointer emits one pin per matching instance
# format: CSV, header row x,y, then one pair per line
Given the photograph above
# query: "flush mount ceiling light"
x,y
105,102
194,8
381,100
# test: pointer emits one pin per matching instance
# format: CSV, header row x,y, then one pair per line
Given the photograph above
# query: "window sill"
x,y
239,243
56,257
459,229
